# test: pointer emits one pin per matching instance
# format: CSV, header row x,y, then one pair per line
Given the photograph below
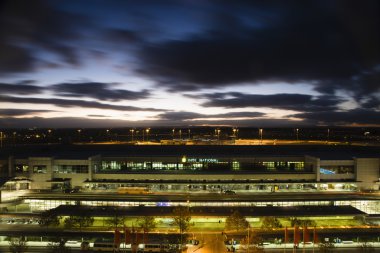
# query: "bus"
x,y
158,247
105,246
133,190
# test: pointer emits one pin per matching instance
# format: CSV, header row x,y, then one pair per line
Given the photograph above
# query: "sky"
x,y
121,63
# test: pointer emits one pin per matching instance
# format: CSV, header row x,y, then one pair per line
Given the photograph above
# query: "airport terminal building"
x,y
191,169
187,168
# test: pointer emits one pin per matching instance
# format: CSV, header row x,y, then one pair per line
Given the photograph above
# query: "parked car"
x,y
229,192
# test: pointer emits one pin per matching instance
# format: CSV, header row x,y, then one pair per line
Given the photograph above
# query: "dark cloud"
x,y
122,36
29,30
70,122
184,116
74,103
351,117
372,103
23,88
100,91
97,116
297,102
15,59
20,112
62,122
328,43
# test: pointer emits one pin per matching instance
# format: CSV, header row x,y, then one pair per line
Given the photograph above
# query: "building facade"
x,y
193,168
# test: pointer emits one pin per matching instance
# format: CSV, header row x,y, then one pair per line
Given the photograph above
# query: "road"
x,y
212,243
201,250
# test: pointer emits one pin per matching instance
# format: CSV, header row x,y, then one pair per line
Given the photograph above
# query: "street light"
x,y
180,134
218,133
189,133
147,134
132,131
297,133
261,135
79,131
173,133
235,132
14,138
328,134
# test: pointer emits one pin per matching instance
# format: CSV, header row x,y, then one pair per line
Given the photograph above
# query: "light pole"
x,y
49,135
137,135
328,134
132,131
261,135
218,133
1,139
234,131
188,133
180,134
173,133
79,131
14,138
147,134
297,133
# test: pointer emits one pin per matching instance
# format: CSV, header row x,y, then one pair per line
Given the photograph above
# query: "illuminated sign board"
x,y
203,160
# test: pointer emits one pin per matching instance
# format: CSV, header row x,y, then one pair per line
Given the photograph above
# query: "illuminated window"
x,y
235,165
111,165
336,169
20,168
71,169
40,169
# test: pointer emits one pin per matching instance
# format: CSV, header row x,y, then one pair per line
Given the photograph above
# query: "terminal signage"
x,y
203,160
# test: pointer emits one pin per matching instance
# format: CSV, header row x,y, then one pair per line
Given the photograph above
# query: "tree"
x,y
302,223
147,224
181,219
78,221
236,221
48,219
326,247
116,220
269,222
17,245
254,241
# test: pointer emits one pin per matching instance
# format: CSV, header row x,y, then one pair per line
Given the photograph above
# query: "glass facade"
x,y
337,169
40,169
205,165
21,168
74,169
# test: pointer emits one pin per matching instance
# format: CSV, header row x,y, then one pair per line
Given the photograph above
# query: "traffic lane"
x,y
4,249
345,250
209,243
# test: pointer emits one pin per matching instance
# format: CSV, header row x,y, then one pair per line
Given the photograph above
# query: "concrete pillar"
x,y
11,166
90,166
